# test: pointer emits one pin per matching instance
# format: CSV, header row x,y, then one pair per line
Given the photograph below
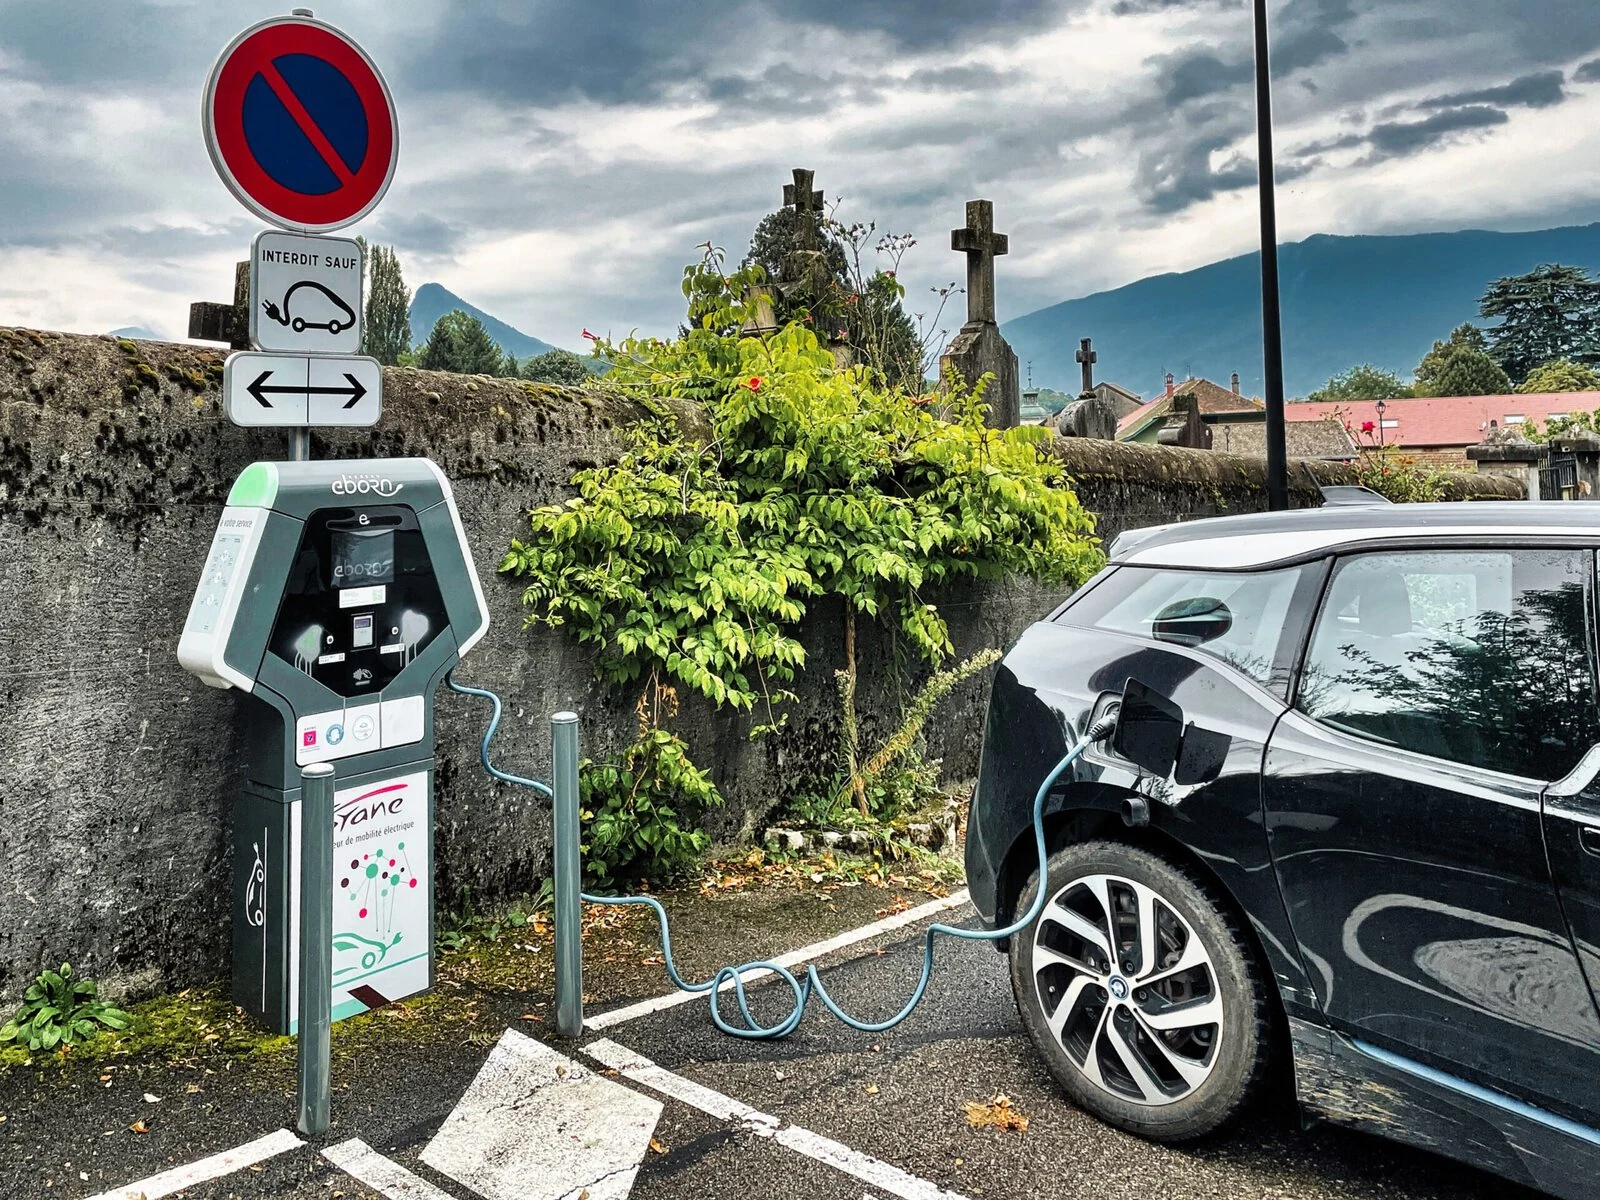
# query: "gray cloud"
x,y
1398,138
1540,89
1589,72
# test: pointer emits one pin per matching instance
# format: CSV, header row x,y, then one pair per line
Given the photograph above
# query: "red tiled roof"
x,y
1446,420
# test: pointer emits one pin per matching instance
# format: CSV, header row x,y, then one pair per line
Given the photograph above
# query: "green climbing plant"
x,y
695,558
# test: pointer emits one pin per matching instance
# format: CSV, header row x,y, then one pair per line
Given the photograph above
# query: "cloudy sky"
x,y
560,161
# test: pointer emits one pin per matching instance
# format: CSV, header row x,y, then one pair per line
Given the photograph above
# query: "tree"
x,y
460,343
1551,312
556,366
1561,375
1364,382
1427,372
387,332
1467,371
508,366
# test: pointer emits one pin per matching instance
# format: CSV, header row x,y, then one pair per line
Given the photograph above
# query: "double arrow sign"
x,y
260,389
298,390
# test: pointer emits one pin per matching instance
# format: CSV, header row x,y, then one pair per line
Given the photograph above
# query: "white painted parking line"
x,y
365,1165
536,1125
619,1016
871,1171
385,1176
204,1171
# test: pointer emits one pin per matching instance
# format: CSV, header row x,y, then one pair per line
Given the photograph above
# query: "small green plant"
x,y
642,808
463,924
59,1010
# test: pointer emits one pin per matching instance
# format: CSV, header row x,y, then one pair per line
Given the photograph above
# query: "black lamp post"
x,y
1381,406
1271,325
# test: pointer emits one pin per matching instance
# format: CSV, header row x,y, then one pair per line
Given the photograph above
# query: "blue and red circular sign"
x,y
301,125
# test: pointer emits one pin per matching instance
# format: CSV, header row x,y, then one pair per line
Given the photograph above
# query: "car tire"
x,y
1137,1047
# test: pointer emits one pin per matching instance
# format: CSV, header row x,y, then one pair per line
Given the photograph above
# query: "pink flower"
x,y
890,274
1367,427
590,336
755,383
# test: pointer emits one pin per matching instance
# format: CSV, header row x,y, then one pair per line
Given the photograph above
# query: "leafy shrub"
x,y
60,1010
642,808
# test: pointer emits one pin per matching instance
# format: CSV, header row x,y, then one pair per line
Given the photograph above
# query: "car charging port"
x,y
1135,812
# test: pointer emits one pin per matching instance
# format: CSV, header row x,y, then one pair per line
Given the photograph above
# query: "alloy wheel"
x,y
1128,989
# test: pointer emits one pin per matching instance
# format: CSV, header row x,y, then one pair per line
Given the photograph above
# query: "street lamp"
x,y
1271,329
1381,407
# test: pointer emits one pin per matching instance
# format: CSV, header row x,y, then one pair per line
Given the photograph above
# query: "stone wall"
x,y
116,766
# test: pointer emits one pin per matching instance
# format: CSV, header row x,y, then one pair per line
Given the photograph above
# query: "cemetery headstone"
x,y
978,349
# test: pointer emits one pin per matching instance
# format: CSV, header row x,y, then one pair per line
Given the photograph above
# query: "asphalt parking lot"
x,y
826,1113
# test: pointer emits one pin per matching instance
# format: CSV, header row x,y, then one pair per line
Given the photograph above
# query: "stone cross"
x,y
807,204
230,323
981,244
1088,358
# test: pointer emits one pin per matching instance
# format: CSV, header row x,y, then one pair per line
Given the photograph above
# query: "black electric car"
x,y
1371,853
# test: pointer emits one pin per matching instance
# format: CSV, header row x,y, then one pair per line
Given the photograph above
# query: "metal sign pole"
x,y
568,876
299,445
316,946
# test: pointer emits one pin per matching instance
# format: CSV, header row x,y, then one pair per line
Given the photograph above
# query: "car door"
x,y
1441,692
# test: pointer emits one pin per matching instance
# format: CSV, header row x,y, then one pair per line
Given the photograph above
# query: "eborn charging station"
x,y
339,594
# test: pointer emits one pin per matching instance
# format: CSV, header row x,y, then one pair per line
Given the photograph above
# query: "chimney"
x,y
1170,388
1236,383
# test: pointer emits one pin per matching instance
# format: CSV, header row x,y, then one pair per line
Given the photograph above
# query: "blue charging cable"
x,y
811,984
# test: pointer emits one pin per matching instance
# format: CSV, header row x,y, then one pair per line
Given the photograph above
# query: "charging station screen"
x,y
362,557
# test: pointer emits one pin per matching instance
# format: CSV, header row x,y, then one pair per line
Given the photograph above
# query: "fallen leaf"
x,y
139,1126
83,1175
530,1017
779,1074
998,1113
192,1088
655,1144
149,1099
872,1089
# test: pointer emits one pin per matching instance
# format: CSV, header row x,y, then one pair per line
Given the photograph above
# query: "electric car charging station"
x,y
338,594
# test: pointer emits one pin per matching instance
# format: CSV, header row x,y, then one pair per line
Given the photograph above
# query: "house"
x,y
1119,397
1437,430
1218,406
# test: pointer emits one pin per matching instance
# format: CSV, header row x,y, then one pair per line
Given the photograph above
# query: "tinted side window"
x,y
1479,657
1237,616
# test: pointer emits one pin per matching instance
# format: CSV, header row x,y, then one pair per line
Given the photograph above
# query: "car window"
x,y
1236,616
1478,657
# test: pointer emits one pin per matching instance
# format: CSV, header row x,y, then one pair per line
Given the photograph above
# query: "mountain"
x,y
137,333
1346,300
433,301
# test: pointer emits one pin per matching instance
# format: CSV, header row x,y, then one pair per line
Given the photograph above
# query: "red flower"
x,y
755,383
1367,427
590,336
890,274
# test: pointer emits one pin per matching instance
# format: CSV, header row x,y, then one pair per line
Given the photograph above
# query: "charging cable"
x,y
804,988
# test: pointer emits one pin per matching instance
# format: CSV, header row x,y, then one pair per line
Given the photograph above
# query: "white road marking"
x,y
193,1174
816,950
535,1125
365,1165
872,1171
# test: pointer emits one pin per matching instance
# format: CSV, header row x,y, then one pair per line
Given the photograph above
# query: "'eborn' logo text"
x,y
360,485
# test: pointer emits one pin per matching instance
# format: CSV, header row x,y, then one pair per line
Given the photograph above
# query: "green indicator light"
x,y
256,487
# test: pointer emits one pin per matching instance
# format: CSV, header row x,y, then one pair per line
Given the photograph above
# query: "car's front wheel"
x,y
1141,992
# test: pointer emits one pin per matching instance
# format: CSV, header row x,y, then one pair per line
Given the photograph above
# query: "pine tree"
x,y
1551,312
460,343
388,318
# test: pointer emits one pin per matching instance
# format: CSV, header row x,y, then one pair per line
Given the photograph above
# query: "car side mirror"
x,y
1192,622
1149,730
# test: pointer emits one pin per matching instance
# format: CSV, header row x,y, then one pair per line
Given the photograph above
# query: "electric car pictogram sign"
x,y
301,125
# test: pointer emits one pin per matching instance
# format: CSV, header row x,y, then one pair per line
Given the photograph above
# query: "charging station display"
x,y
338,594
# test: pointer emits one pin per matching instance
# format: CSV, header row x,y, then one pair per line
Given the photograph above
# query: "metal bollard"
x,y
316,946
568,876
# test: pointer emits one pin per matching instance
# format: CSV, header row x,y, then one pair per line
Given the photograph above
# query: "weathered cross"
x,y
806,204
230,323
981,244
1088,358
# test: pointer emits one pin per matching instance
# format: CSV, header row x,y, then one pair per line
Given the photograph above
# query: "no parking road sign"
x,y
300,125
